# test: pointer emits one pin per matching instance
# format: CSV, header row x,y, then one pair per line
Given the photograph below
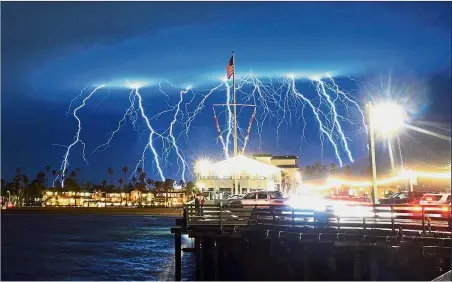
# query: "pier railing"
x,y
426,218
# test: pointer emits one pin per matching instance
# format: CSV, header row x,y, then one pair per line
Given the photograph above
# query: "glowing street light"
x,y
386,119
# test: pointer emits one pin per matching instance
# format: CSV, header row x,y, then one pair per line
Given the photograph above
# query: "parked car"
x,y
403,198
263,198
435,199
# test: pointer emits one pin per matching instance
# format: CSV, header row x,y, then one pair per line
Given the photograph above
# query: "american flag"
x,y
230,67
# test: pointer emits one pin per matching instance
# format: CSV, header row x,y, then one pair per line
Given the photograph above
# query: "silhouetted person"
x,y
198,212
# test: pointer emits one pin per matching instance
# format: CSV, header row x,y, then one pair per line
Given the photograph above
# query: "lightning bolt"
x,y
342,94
322,91
65,162
130,112
201,105
315,111
278,102
180,157
150,144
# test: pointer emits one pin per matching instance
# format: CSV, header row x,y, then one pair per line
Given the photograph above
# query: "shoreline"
x,y
154,211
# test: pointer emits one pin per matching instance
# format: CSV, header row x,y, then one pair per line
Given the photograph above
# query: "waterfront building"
x,y
263,172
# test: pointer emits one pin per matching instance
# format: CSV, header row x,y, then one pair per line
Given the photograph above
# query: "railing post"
x,y
364,223
392,218
293,217
215,261
221,216
178,254
423,220
315,219
449,222
185,216
273,214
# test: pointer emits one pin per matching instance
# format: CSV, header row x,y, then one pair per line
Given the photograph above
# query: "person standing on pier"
x,y
201,201
197,205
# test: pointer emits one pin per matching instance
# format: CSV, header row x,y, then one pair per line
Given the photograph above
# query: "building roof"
x,y
262,155
288,166
241,163
285,157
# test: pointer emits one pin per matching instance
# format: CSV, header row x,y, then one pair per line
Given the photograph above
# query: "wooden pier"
x,y
281,243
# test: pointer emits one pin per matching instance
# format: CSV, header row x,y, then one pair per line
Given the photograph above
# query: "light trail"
x,y
428,132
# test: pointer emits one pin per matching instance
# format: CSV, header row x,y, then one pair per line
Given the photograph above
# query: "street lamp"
x,y
386,119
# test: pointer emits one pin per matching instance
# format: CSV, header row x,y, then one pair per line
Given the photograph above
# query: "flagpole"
x,y
235,107
235,120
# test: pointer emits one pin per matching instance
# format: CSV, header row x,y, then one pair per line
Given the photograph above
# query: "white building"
x,y
237,175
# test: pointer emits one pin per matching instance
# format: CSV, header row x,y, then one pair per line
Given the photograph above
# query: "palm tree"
x,y
104,184
308,169
18,181
120,181
25,180
317,166
347,170
54,173
47,175
65,174
150,183
134,181
74,176
88,186
332,168
125,169
78,172
110,172
283,180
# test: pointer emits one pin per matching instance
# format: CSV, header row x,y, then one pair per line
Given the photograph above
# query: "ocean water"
x,y
89,247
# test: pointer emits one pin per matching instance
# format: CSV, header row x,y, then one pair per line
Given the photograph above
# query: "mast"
x,y
236,188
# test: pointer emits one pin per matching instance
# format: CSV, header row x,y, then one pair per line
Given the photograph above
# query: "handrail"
x,y
393,217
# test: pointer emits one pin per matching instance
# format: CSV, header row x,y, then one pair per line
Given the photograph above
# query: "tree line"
x,y
24,191
318,167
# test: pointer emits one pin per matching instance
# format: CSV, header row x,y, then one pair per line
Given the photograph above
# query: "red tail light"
x,y
445,209
418,208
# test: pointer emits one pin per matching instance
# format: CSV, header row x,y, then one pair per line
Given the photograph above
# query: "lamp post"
x,y
386,119
371,143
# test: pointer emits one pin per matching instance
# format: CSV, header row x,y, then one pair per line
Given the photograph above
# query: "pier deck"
x,y
281,243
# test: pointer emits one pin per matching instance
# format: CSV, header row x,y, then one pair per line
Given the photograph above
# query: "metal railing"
x,y
431,218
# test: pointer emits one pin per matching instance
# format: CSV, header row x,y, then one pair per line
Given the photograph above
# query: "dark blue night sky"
x,y
51,51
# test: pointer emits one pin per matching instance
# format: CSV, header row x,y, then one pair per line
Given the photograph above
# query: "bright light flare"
x,y
306,202
387,118
202,165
